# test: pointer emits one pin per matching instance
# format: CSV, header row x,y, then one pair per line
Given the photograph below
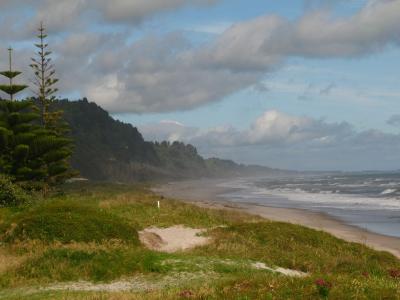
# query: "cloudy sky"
x,y
299,84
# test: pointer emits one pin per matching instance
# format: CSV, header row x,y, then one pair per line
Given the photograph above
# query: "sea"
x,y
367,200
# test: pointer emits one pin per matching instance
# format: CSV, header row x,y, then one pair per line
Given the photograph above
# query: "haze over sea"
x,y
367,200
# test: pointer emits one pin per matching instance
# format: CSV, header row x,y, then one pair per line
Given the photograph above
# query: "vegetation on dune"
x,y
68,221
297,247
141,210
95,265
220,270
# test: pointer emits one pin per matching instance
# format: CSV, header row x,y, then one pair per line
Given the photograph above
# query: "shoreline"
x,y
204,193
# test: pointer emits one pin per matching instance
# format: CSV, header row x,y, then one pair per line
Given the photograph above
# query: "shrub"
x,y
11,194
69,221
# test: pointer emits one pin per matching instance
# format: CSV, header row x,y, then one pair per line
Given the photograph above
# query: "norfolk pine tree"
x,y
29,153
44,80
16,128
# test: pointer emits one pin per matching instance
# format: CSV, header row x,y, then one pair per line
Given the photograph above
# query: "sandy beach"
x,y
205,193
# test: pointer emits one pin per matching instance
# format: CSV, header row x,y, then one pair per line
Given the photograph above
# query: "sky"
x,y
293,84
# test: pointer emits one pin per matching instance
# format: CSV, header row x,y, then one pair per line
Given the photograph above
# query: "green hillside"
x,y
107,149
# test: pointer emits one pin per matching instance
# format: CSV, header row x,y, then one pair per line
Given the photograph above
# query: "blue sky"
x,y
292,84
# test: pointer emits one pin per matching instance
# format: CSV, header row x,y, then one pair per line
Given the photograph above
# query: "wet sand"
x,y
206,193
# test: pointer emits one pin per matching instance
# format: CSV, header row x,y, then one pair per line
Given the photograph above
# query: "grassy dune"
x,y
88,232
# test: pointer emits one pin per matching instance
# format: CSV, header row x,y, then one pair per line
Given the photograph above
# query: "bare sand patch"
x,y
172,239
283,271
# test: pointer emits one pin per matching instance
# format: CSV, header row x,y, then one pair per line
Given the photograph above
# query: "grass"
x,y
140,209
60,265
67,221
89,232
296,247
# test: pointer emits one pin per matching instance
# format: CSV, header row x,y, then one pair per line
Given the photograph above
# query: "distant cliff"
x,y
109,150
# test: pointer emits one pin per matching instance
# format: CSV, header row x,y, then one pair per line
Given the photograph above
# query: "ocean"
x,y
367,200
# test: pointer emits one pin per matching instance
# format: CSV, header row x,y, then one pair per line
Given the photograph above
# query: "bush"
x,y
11,194
69,221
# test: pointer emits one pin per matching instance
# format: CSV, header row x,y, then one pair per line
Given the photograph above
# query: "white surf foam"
x,y
343,200
388,191
334,200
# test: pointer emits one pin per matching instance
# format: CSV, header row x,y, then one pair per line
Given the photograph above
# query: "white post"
x,y
158,204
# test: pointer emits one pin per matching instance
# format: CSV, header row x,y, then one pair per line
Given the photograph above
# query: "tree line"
x,y
34,145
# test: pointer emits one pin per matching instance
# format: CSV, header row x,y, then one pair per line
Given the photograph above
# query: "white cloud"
x,y
258,43
272,128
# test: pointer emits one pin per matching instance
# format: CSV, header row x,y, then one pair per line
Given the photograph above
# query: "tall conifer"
x,y
29,153
45,82
16,129
52,120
